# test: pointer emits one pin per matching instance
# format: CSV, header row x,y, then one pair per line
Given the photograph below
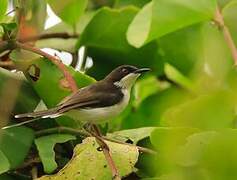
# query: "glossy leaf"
x,y
45,146
210,111
3,8
138,3
69,11
161,17
4,165
110,45
131,135
88,162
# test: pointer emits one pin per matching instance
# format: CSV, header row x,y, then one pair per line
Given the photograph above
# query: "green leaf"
x,y
133,135
69,11
16,95
161,17
15,144
151,109
191,153
209,111
107,45
45,146
48,73
174,75
3,8
123,3
8,26
219,158
167,141
145,87
4,165
88,162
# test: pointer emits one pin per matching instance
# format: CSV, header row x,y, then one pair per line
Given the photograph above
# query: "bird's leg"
x,y
99,136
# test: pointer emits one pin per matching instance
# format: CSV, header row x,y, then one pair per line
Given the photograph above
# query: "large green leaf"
x,y
4,165
3,8
123,3
16,95
15,144
48,81
107,45
209,111
45,146
167,141
131,135
88,162
161,17
69,11
151,109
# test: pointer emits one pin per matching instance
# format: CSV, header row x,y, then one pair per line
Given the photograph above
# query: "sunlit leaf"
x,y
69,11
109,48
161,17
3,8
131,135
4,165
88,162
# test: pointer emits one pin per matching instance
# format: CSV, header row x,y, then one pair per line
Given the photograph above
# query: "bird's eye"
x,y
124,70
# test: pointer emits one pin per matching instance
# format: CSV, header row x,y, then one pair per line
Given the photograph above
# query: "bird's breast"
x,y
97,115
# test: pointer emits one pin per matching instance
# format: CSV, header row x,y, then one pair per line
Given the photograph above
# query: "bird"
x,y
95,103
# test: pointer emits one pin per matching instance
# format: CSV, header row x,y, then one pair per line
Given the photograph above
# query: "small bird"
x,y
94,103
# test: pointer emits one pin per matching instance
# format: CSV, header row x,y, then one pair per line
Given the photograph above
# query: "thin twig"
x,y
141,149
106,151
87,134
62,130
62,35
57,62
229,40
6,64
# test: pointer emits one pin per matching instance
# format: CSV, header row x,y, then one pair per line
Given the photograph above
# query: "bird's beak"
x,y
142,70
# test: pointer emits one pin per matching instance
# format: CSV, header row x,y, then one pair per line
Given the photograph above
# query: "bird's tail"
x,y
34,117
39,114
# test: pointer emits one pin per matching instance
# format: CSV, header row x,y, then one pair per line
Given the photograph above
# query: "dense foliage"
x,y
185,109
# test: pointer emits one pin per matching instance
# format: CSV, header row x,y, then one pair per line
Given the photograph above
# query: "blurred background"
x,y
185,109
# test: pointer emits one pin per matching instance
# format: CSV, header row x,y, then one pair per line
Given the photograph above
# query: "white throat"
x,y
127,81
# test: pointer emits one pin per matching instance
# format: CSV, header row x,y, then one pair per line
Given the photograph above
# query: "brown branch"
x,y
6,64
106,151
87,134
62,35
56,61
220,21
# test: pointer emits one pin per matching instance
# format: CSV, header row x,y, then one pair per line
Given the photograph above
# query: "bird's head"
x,y
125,76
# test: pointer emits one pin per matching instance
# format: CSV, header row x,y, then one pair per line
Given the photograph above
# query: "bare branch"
x,y
56,61
62,35
220,21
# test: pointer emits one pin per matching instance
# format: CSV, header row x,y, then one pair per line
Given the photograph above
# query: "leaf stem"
x,y
228,38
86,134
56,61
62,35
106,151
